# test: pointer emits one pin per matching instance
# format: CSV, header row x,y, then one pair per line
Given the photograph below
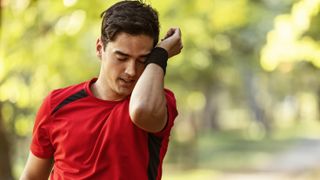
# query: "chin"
x,y
125,92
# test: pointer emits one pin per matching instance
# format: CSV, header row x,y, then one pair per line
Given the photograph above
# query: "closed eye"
x,y
121,58
142,60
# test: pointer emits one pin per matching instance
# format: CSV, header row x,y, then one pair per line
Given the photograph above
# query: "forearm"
x,y
36,168
148,104
34,176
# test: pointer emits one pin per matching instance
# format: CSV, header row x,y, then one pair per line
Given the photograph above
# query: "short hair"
x,y
132,17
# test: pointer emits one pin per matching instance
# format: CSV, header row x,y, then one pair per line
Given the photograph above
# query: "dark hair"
x,y
132,17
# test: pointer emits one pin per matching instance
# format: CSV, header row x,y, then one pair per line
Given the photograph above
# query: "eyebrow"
x,y
127,55
121,53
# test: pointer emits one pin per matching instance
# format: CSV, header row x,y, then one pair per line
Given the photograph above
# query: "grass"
x,y
228,150
235,152
211,154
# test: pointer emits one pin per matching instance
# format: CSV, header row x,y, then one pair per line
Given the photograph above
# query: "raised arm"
x,y
36,168
147,107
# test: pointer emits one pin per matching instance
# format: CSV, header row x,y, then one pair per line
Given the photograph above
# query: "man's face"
x,y
122,63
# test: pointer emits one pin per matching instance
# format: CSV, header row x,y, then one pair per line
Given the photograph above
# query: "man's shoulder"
x,y
170,97
169,94
62,94
68,90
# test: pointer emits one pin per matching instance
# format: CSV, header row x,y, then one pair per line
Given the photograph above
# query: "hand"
x,y
172,42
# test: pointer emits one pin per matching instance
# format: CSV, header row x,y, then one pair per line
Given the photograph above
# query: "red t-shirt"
x,y
90,138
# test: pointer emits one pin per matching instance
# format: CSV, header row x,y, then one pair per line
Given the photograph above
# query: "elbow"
x,y
147,118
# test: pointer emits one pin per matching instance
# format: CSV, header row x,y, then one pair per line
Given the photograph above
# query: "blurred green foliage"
x,y
248,65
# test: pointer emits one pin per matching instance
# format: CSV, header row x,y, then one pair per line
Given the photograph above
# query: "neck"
x,y
103,92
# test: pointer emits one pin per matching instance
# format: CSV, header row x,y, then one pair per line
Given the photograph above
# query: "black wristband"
x,y
158,56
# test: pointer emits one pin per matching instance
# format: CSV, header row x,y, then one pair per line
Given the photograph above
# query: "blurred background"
x,y
247,81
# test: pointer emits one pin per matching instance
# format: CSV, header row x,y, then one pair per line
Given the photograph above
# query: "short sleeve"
x,y
172,114
41,145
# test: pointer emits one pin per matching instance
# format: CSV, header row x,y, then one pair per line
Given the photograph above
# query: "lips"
x,y
126,82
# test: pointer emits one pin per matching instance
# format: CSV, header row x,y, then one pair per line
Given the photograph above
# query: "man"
x,y
115,126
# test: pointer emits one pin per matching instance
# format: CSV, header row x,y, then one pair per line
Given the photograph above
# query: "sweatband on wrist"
x,y
158,56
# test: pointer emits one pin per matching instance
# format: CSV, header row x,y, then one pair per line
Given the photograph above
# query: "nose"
x,y
131,68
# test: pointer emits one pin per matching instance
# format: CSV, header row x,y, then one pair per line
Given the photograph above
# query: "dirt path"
x,y
301,162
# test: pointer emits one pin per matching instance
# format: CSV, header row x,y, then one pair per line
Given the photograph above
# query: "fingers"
x,y
172,32
176,39
175,32
172,42
169,33
178,32
177,35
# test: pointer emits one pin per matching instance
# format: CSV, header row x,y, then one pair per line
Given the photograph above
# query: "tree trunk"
x,y
258,111
5,163
210,120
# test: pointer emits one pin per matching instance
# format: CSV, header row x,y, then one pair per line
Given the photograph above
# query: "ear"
x,y
99,48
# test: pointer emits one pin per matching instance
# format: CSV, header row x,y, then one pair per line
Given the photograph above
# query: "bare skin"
x,y
148,108
123,73
36,168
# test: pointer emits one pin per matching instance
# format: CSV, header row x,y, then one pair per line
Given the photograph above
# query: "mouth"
x,y
126,82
